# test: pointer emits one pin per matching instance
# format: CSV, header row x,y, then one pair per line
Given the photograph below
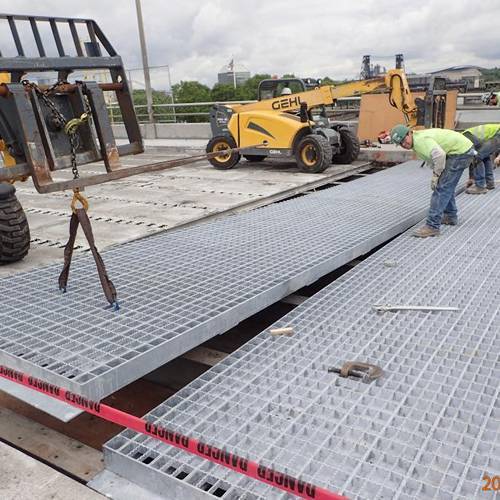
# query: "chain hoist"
x,y
79,215
60,122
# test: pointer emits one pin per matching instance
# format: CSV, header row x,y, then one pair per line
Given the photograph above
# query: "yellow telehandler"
x,y
284,125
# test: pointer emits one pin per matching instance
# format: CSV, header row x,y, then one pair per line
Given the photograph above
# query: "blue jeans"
x,y
483,171
443,197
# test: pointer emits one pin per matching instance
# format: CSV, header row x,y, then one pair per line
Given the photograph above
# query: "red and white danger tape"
x,y
216,455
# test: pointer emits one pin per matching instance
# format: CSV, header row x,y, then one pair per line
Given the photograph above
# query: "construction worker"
x,y
449,153
486,140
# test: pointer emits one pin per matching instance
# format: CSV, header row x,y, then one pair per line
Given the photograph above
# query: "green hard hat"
x,y
398,133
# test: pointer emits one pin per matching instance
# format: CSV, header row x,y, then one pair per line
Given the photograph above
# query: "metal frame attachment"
x,y
432,108
38,146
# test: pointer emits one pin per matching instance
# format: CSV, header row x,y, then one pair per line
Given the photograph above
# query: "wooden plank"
x,y
377,114
137,398
294,299
51,446
205,355
23,477
354,263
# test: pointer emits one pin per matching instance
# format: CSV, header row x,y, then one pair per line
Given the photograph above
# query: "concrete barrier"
x,y
386,154
184,130
167,131
466,118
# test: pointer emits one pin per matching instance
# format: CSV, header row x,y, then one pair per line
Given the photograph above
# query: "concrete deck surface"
x,y
24,478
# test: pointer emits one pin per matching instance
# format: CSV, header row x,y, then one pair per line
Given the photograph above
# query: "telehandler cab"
x,y
284,126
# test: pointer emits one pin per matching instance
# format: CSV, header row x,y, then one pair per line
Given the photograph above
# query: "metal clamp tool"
x,y
365,371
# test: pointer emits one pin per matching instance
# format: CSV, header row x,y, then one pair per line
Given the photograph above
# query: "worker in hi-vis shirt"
x,y
448,153
486,140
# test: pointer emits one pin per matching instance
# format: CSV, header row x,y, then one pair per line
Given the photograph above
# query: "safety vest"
x,y
484,132
453,143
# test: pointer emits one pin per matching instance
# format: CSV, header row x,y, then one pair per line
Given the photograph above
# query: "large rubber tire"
x,y
14,229
349,147
254,158
219,143
313,154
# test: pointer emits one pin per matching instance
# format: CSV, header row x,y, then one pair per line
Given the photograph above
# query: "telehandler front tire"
x,y
223,161
349,147
313,154
14,229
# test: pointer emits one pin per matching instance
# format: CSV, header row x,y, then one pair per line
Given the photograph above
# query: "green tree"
x,y
191,91
328,81
161,113
223,92
491,74
249,88
159,97
244,92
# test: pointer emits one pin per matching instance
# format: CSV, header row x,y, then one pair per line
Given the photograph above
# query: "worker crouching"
x,y
449,153
486,140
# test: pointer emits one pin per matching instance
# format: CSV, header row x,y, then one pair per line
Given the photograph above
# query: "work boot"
x,y
425,232
490,185
449,221
476,190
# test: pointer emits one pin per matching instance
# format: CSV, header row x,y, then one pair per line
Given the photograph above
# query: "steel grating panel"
x,y
430,428
180,288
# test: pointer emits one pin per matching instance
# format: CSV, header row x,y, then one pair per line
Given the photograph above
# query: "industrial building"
x,y
470,74
233,74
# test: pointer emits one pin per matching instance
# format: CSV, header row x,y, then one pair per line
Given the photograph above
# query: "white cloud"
x,y
308,38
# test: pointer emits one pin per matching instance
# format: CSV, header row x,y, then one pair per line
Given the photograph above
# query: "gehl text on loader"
x,y
288,128
62,123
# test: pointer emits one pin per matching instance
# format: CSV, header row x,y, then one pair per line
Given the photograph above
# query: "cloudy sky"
x,y
306,37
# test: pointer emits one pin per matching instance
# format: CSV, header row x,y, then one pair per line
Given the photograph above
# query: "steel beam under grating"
x,y
180,288
429,428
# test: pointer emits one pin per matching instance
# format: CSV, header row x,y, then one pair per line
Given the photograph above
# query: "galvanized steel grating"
x,y
429,428
180,288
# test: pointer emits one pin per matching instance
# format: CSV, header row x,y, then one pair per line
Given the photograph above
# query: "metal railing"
x,y
193,112
172,112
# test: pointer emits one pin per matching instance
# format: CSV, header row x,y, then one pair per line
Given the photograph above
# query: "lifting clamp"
x,y
365,371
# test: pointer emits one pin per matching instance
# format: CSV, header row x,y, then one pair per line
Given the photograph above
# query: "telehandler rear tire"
x,y
224,161
14,229
313,154
349,147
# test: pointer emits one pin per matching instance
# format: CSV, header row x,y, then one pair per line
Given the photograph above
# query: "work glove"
x,y
434,181
497,161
